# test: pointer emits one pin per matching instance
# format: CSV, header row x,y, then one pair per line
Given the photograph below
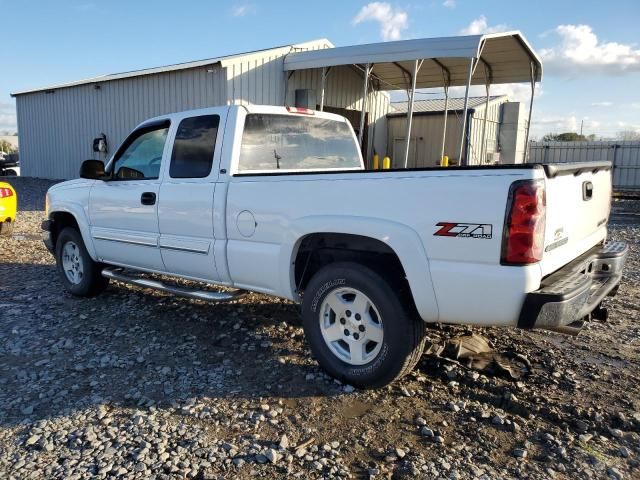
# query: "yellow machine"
x,y
8,207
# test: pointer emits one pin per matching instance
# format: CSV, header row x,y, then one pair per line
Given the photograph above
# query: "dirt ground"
x,y
137,384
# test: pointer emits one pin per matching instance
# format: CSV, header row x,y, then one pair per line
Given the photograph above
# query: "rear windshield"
x,y
288,142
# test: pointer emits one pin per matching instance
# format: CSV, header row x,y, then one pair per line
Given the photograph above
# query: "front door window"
x,y
140,156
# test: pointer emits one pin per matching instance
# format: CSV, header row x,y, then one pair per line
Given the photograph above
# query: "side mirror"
x,y
92,169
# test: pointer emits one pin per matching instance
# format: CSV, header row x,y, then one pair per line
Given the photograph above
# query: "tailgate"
x,y
578,198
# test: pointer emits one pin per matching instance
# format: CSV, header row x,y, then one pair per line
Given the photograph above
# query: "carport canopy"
x,y
494,58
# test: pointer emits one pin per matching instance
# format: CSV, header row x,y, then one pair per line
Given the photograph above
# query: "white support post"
x,y
483,150
533,91
416,68
446,114
365,92
324,77
463,134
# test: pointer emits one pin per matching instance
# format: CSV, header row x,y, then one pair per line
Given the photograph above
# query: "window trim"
x,y
213,153
138,132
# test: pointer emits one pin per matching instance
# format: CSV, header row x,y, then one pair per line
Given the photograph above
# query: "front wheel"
x,y
80,275
358,328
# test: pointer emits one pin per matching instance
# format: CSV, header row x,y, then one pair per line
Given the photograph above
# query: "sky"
x,y
590,49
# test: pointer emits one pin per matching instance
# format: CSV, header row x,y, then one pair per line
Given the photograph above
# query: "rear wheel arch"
x,y
316,250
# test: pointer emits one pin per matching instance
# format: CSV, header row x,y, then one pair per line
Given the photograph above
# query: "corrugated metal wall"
x,y
625,156
56,129
426,137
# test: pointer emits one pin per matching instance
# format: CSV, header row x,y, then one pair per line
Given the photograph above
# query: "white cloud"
x,y
480,25
581,50
242,10
635,127
392,20
85,7
602,104
635,105
8,120
449,3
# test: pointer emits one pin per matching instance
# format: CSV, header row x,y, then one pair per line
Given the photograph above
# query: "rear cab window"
x,y
194,146
295,143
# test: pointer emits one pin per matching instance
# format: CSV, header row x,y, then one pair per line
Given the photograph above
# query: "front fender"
x,y
403,240
79,213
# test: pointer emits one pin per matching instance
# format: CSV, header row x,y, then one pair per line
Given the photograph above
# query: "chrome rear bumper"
x,y
569,295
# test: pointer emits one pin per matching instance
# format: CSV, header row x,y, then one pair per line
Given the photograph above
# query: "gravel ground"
x,y
137,384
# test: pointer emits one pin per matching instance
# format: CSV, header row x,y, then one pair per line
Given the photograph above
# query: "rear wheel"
x,y
79,273
358,328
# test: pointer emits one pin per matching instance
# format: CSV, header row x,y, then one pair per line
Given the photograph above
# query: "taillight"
x,y
6,192
523,238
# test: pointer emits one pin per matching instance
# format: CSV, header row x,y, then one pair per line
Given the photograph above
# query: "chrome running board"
x,y
204,295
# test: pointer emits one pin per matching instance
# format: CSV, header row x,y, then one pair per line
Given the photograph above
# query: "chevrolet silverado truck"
x,y
277,200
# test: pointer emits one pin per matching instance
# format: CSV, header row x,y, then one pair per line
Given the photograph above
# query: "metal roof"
x,y
508,56
435,105
170,68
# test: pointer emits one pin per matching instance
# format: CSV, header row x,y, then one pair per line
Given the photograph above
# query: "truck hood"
x,y
69,184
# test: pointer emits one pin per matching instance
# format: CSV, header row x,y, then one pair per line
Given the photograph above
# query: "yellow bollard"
x,y
376,161
445,161
386,163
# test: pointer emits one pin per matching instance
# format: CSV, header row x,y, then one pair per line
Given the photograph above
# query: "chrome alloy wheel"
x,y
351,326
71,263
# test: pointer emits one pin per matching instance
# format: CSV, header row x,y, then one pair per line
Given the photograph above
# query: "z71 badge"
x,y
465,230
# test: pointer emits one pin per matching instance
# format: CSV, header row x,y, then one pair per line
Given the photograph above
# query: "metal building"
x,y
428,123
57,124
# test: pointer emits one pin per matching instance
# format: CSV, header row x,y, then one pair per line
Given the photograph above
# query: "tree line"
x,y
624,135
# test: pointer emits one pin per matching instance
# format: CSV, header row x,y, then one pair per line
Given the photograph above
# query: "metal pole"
x,y
464,116
533,91
367,71
446,113
324,76
416,68
483,150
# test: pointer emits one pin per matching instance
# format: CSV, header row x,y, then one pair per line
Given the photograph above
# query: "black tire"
x,y
91,282
10,173
6,228
403,339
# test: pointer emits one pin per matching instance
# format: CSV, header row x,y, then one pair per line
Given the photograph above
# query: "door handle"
x,y
148,198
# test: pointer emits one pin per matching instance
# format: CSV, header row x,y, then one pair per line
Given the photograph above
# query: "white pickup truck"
x,y
276,200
